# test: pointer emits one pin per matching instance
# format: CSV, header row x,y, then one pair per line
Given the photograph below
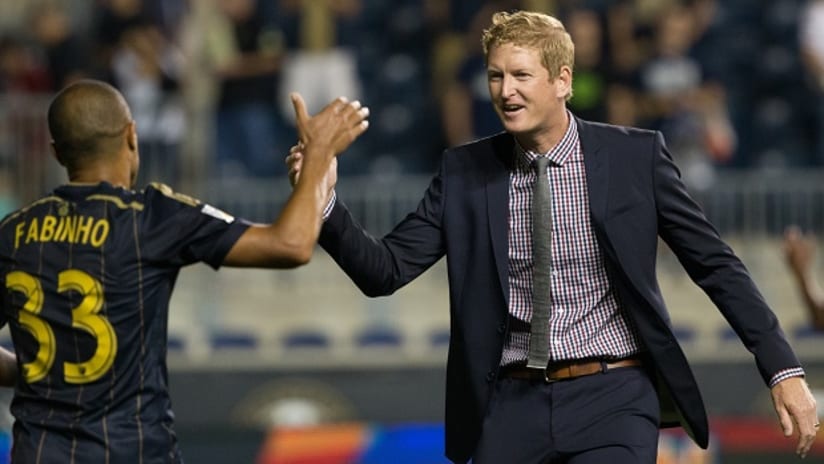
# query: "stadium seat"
x,y
176,343
683,334
306,339
807,332
233,340
439,338
379,337
727,334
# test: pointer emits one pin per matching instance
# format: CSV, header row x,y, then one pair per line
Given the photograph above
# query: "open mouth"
x,y
511,110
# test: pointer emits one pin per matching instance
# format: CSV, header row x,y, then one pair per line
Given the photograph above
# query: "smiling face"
x,y
530,103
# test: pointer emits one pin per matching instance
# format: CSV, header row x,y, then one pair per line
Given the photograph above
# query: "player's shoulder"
x,y
158,190
168,200
29,207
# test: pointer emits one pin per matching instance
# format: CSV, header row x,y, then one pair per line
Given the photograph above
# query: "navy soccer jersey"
x,y
87,273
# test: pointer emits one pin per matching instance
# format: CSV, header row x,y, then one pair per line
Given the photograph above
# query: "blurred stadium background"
x,y
298,367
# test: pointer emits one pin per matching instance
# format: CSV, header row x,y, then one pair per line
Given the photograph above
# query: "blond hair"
x,y
538,31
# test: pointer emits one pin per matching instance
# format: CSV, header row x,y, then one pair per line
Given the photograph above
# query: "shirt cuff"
x,y
785,374
327,211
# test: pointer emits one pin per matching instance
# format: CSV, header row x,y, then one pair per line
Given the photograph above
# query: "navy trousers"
x,y
610,417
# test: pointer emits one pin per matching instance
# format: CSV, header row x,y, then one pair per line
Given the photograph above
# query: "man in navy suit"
x,y
615,372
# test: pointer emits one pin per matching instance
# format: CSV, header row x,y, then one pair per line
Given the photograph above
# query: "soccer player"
x,y
87,272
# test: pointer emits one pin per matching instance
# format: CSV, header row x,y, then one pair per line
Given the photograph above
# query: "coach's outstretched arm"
x,y
290,240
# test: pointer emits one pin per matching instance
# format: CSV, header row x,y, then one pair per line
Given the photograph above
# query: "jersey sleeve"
x,y
180,230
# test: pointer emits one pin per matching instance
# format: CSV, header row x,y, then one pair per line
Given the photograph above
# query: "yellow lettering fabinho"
x,y
80,230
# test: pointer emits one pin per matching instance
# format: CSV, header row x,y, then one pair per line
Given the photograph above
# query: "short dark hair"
x,y
85,120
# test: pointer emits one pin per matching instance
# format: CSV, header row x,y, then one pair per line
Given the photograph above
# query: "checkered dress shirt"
x,y
586,317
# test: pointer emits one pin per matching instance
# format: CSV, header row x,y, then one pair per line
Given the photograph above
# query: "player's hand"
x,y
799,250
336,126
795,406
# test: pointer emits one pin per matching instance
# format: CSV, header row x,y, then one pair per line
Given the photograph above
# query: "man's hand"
x,y
336,126
294,161
795,406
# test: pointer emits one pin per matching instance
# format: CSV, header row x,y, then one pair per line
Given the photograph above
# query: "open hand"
x,y
335,127
796,410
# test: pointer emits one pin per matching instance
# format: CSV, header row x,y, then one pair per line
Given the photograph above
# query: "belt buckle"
x,y
546,376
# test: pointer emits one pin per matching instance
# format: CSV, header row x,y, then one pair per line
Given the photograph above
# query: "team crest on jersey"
x,y
63,209
217,214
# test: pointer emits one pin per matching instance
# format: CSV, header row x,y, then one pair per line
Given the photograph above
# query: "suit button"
x,y
490,376
502,328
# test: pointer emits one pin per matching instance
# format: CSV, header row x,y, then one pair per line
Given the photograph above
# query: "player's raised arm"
x,y
290,239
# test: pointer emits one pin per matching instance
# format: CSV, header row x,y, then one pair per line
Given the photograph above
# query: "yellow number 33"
x,y
85,317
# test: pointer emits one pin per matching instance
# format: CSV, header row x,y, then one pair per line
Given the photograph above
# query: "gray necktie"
x,y
541,263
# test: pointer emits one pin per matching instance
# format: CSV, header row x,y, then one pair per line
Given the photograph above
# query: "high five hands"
x,y
336,126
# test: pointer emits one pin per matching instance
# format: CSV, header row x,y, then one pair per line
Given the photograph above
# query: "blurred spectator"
x,y
690,111
112,18
8,200
622,106
321,64
146,69
207,42
23,142
811,31
168,15
589,88
13,15
66,52
799,250
247,122
466,108
20,70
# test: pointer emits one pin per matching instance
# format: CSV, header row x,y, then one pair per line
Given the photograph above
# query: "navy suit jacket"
x,y
635,196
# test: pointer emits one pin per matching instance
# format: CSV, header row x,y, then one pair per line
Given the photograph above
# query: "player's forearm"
x,y
300,221
8,368
289,240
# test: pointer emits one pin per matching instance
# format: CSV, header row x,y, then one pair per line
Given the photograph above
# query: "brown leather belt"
x,y
566,370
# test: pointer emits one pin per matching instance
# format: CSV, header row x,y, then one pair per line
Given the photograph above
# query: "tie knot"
x,y
540,164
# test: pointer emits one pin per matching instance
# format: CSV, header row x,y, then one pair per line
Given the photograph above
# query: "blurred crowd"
x,y
731,83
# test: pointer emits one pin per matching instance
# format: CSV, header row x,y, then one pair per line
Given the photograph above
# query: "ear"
x,y
56,154
564,82
131,136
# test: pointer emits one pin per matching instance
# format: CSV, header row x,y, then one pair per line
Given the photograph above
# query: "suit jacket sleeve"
x,y
379,266
714,267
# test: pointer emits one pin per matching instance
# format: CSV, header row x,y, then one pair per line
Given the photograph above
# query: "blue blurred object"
x,y
406,444
5,447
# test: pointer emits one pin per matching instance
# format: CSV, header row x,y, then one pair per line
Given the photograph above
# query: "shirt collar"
x,y
558,154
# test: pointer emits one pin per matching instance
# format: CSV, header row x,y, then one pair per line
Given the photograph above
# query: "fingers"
x,y
301,115
356,115
805,442
808,426
294,161
786,422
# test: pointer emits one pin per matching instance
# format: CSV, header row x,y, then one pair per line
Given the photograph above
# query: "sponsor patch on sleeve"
x,y
217,214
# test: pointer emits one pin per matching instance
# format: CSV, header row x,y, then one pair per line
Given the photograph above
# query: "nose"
x,y
507,87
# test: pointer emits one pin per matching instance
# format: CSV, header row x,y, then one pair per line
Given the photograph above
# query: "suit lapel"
x,y
497,194
597,172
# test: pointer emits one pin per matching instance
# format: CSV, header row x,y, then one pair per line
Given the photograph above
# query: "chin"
x,y
516,129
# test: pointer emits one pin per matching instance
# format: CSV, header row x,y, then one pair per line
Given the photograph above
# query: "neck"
x,y
101,173
545,139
